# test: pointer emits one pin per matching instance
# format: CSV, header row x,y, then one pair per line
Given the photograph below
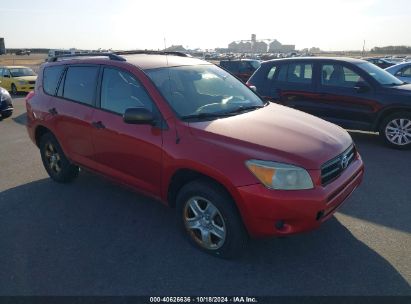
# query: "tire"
x,y
217,226
6,115
55,162
395,130
14,89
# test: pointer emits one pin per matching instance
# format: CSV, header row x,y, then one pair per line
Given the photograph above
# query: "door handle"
x,y
98,125
53,111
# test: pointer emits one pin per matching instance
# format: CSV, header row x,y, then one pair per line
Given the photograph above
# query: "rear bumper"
x,y
277,213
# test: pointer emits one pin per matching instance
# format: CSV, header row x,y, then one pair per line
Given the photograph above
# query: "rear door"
x,y
293,85
129,152
71,111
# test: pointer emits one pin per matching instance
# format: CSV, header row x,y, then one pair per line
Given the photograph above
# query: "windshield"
x,y
383,77
203,90
19,72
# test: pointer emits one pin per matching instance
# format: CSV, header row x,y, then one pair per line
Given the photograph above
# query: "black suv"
x,y
352,93
241,68
6,106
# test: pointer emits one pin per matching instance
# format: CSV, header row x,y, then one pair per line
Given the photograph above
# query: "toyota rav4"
x,y
196,138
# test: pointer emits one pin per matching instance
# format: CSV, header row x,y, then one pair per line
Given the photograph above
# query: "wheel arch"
x,y
39,132
389,111
182,176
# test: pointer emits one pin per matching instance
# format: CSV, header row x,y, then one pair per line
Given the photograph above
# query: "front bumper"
x,y
25,87
277,212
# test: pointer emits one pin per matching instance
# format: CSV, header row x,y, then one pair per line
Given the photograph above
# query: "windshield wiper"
x,y
205,115
395,84
242,109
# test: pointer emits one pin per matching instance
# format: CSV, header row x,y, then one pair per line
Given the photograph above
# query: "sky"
x,y
128,24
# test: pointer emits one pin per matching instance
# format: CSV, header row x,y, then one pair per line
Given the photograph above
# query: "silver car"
x,y
402,71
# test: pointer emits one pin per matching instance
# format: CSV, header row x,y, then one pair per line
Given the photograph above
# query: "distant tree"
x,y
400,49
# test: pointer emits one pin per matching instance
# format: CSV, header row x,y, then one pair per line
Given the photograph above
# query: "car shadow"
x,y
21,119
93,237
385,194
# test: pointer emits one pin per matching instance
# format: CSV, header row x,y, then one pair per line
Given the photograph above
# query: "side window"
x,y
1,72
120,91
51,77
339,76
405,72
282,74
244,67
300,73
80,84
271,73
6,72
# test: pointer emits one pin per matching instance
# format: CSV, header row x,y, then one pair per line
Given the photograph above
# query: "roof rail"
x,y
111,56
149,52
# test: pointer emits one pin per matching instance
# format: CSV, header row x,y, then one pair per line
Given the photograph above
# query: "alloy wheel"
x,y
398,131
53,158
204,223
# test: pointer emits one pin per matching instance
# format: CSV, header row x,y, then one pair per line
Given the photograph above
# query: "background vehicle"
x,y
241,68
352,93
6,105
59,52
23,52
380,62
190,134
17,79
402,71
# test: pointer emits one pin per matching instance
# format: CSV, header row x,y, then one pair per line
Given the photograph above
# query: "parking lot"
x,y
93,237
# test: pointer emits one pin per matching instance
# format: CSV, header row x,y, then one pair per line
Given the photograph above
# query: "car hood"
x,y
402,89
277,133
27,78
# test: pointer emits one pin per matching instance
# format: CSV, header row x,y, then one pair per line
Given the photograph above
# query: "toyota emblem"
x,y
344,162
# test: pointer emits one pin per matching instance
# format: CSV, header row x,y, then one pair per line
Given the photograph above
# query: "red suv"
x,y
191,135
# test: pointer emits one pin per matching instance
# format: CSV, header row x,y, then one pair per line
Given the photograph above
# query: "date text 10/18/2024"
x,y
203,300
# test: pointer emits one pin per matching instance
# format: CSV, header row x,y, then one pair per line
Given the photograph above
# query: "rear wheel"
x,y
395,130
55,162
210,220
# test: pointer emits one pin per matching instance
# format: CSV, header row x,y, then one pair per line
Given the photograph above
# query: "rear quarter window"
x,y
51,77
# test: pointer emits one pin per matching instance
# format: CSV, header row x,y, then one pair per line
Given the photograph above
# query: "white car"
x,y
402,71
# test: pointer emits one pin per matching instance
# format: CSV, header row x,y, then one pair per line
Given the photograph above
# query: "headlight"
x,y
22,82
280,176
4,94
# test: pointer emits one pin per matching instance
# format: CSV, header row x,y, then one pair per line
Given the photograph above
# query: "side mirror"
x,y
362,88
253,88
138,116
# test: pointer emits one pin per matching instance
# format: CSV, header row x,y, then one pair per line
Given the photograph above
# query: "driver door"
x,y
127,152
346,98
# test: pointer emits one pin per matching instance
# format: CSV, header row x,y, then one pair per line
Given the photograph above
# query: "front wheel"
x,y
55,162
14,89
210,219
395,130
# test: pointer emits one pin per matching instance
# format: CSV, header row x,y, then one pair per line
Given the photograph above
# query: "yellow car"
x,y
17,79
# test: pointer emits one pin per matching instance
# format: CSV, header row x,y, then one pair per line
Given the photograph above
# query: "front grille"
x,y
334,167
32,82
